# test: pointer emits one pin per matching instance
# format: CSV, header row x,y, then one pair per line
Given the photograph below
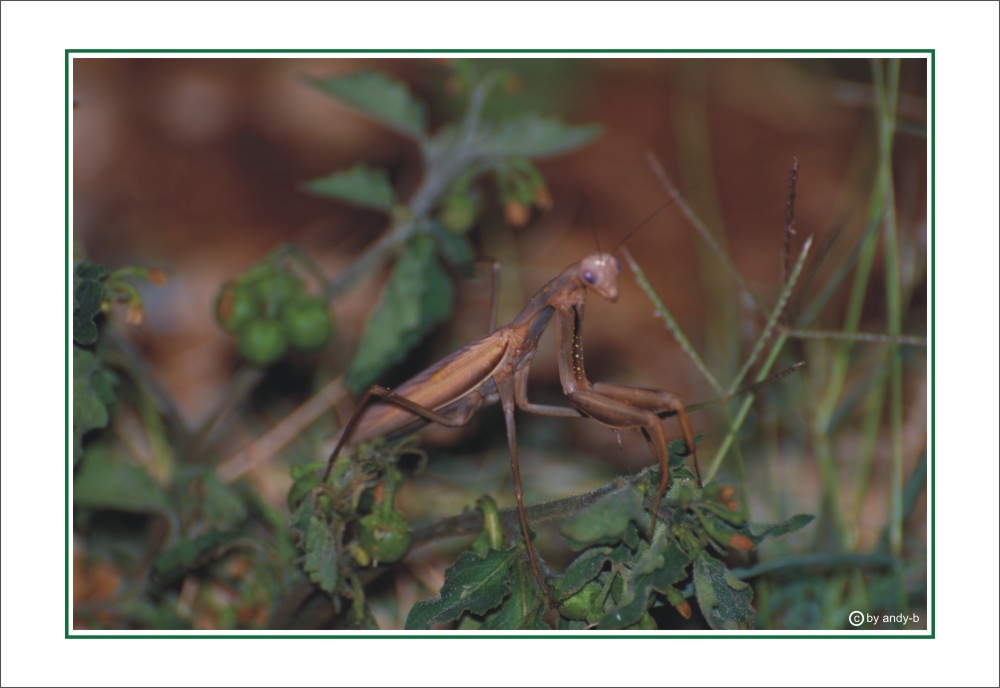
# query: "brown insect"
x,y
495,368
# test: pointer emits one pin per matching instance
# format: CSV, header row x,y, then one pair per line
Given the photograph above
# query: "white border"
x,y
965,36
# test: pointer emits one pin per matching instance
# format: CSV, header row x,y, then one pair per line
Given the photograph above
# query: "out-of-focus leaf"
x,y
361,185
88,288
456,249
223,507
723,598
607,520
91,394
188,554
104,482
534,136
759,532
418,296
380,97
474,584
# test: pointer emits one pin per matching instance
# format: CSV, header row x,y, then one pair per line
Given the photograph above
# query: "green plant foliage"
x,y
445,205
269,308
88,291
380,97
621,573
321,561
361,185
522,609
534,136
104,482
608,519
473,584
188,554
723,598
418,296
760,532
92,393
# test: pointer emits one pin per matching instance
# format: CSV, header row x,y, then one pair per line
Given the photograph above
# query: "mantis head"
x,y
599,272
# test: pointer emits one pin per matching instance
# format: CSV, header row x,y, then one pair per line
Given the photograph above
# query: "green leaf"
x,y
674,567
223,507
638,579
91,395
522,610
723,598
88,289
606,520
188,554
474,584
759,532
382,98
534,136
456,249
584,569
104,482
361,185
321,555
418,296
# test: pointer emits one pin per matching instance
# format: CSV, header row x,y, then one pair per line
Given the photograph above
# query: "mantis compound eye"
x,y
589,277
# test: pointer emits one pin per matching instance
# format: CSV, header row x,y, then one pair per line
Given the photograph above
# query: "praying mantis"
x,y
495,367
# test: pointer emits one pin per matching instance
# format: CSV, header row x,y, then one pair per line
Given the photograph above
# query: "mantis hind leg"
x,y
507,401
458,416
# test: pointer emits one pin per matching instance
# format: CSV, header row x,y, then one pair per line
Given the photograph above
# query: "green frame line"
x,y
472,635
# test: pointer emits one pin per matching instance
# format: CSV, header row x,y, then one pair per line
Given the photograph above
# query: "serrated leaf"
x,y
104,482
361,185
606,520
320,562
723,598
759,532
88,289
418,296
534,136
474,584
382,98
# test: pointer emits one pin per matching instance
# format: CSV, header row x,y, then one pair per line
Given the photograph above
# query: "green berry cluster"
x,y
269,309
